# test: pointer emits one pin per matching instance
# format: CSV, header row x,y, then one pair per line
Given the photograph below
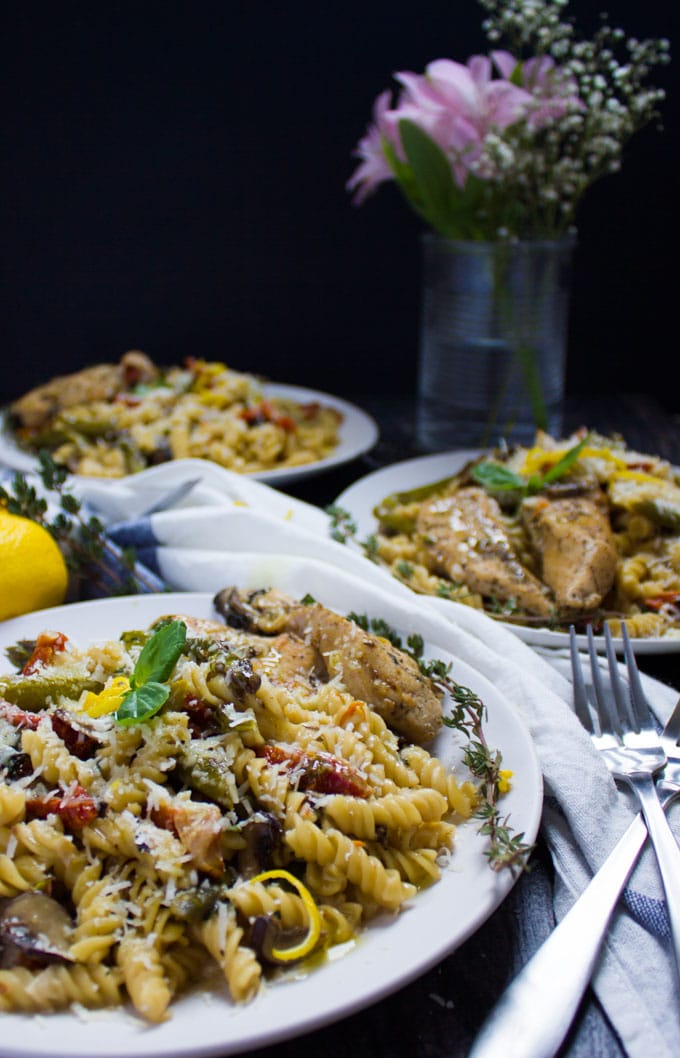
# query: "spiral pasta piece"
x,y
394,811
222,936
252,792
366,872
144,976
57,987
12,805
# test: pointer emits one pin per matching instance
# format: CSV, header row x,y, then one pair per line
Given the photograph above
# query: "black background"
x,y
173,180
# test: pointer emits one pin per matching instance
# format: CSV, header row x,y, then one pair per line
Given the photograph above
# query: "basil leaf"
x,y
142,703
160,654
495,476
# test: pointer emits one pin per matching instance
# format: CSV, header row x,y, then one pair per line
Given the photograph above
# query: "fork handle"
x,y
534,1013
667,853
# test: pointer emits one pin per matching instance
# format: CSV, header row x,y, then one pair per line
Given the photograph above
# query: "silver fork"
x,y
622,730
557,975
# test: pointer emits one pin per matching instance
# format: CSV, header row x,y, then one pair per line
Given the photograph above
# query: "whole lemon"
x,y
33,573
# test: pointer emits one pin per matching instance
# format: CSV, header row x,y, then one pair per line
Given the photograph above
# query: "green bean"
x,y
207,769
31,692
661,511
86,427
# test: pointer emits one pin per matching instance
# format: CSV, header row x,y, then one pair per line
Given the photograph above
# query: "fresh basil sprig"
x,y
148,691
495,477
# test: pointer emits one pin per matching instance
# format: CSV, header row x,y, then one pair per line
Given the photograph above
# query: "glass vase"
x,y
493,341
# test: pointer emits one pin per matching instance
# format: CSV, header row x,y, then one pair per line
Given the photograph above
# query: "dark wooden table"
x,y
439,1014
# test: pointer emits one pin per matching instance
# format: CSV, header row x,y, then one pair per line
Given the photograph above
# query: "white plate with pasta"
x,y
428,926
357,433
361,498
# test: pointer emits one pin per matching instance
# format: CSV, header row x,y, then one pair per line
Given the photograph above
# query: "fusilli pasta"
x,y
260,791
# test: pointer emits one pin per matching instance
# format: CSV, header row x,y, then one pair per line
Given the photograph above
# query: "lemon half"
x,y
33,574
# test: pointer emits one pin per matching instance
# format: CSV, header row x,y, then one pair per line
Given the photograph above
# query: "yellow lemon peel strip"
x,y
108,700
297,951
537,459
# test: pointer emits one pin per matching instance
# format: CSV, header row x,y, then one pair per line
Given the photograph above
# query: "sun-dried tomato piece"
x,y
78,742
264,411
19,717
202,718
318,772
664,598
46,646
76,808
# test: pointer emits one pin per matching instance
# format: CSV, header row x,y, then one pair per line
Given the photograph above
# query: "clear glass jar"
x,y
493,340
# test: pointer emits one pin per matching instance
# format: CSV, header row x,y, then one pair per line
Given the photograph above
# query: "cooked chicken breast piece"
x,y
290,660
467,541
38,406
371,668
100,382
573,539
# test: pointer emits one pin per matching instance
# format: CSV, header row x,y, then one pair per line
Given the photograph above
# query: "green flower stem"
x,y
522,352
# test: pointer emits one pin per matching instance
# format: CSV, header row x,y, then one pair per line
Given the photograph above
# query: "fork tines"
x,y
580,695
631,712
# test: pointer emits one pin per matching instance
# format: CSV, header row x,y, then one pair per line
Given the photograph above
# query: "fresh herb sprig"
x,y
506,849
496,477
82,540
343,527
148,690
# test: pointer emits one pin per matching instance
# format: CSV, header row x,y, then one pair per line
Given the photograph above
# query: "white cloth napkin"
x,y
227,518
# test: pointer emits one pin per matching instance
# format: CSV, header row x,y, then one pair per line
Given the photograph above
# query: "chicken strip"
x,y
291,661
371,668
101,382
467,541
574,541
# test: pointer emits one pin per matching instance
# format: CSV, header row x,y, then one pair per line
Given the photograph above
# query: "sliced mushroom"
x,y
35,930
195,904
242,678
267,936
264,610
263,834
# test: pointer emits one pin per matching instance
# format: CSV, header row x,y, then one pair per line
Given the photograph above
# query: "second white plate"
x,y
361,497
358,434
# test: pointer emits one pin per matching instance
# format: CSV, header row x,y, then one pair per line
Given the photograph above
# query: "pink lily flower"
x,y
554,93
472,93
373,169
457,105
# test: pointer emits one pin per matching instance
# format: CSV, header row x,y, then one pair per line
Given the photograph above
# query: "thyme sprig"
x,y
87,551
506,848
343,527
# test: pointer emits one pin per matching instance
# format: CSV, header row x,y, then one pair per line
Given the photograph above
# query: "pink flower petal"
x,y
454,83
504,62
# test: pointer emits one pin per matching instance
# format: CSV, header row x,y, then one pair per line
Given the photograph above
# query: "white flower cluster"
x,y
548,170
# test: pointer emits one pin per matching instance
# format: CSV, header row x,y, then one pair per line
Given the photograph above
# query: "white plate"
x,y
387,957
358,433
361,497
